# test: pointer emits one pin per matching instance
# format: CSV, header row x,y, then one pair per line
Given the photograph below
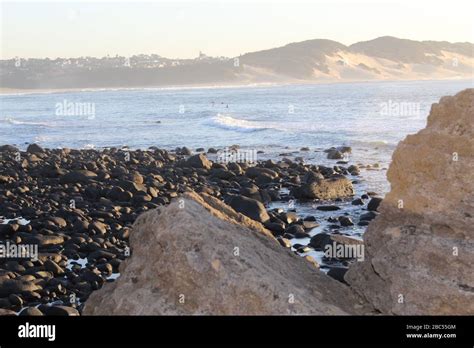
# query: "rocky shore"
x,y
78,207
192,235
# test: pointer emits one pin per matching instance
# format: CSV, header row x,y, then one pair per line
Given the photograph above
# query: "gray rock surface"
x,y
199,256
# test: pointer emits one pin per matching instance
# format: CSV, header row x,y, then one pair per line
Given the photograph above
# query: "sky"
x,y
181,29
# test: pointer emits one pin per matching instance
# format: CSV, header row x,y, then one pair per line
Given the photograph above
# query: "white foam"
x,y
20,220
80,262
228,122
13,121
113,276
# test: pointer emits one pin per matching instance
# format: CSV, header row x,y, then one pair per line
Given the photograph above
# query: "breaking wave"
x,y
230,123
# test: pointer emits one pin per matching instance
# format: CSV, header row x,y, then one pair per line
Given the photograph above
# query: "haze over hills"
x,y
312,61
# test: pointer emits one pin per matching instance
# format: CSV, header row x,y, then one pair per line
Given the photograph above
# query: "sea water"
x,y
371,117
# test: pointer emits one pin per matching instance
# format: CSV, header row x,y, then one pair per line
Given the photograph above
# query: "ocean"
x,y
371,117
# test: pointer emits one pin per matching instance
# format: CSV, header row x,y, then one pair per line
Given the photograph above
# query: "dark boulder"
x,y
374,204
338,273
34,148
199,161
346,221
77,176
61,311
327,189
249,207
320,240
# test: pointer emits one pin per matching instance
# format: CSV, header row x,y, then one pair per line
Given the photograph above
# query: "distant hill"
x,y
409,51
384,58
296,60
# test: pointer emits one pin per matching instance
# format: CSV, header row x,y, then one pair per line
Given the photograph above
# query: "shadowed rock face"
x,y
198,256
420,250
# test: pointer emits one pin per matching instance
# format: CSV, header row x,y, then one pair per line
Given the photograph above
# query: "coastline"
x,y
5,91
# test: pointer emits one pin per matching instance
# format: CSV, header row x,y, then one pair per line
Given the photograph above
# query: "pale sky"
x,y
180,29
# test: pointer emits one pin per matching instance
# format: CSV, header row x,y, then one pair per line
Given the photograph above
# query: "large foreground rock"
x,y
420,250
199,256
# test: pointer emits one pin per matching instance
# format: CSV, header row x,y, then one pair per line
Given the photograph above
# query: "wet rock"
x,y
368,216
297,231
131,186
221,173
58,221
61,311
9,229
312,176
307,224
5,303
327,189
14,266
45,240
34,148
338,273
289,217
354,170
199,161
119,194
249,207
80,225
320,240
374,203
31,311
284,242
263,179
15,300
8,148
183,151
277,228
13,286
99,254
335,154
346,221
98,227
77,176
7,312
254,172
52,266
52,171
327,207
